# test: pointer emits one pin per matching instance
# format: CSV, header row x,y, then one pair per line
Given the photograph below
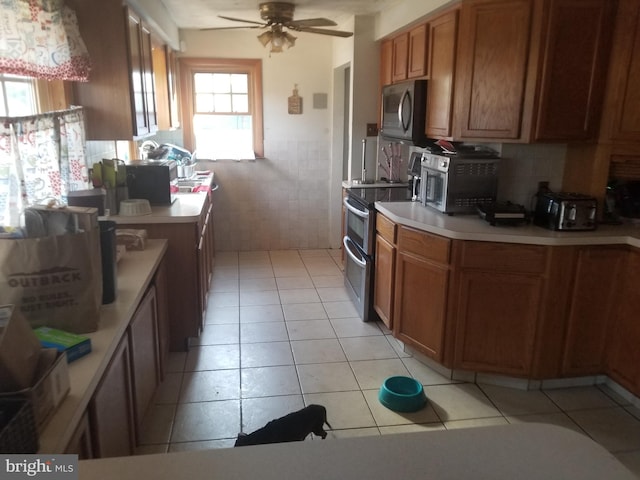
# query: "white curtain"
x,y
41,39
41,157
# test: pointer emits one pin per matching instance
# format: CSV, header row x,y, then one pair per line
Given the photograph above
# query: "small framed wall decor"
x,y
295,102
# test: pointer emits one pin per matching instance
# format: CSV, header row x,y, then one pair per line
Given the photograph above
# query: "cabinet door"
x,y
80,442
420,304
443,40
624,78
162,307
417,57
623,353
140,122
386,62
491,74
574,67
384,280
111,408
592,304
143,339
400,57
149,79
497,314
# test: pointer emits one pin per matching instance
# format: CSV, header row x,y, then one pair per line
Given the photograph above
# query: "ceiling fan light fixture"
x,y
265,38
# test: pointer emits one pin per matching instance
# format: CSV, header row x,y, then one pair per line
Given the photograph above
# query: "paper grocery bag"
x,y
19,350
56,280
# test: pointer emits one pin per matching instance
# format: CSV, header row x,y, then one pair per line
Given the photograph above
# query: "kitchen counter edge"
x,y
472,227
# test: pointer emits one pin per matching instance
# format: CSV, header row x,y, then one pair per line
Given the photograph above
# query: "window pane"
x,y
241,103
204,102
3,107
20,98
222,103
224,136
239,83
202,82
221,83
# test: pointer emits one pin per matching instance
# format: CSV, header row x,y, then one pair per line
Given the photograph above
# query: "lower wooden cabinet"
x,y
384,284
80,442
143,341
592,305
623,353
420,304
111,411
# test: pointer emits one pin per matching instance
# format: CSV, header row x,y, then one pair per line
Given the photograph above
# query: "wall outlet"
x,y
372,130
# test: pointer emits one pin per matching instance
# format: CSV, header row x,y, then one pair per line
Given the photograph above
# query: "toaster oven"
x,y
565,211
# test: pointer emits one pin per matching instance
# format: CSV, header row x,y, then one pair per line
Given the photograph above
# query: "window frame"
x,y
253,67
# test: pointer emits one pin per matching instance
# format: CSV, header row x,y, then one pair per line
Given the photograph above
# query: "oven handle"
x,y
354,210
345,241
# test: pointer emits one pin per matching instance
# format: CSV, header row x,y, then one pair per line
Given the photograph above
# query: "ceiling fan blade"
x,y
335,33
312,22
241,20
232,28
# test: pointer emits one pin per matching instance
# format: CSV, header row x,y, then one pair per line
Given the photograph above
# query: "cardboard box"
x,y
50,388
19,350
75,346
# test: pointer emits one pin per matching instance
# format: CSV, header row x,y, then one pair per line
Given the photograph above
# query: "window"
x,y
18,96
222,108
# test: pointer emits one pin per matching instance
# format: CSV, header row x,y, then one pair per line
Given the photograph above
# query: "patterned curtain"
x,y
41,157
41,39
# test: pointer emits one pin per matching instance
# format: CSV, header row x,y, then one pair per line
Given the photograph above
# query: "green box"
x,y
75,346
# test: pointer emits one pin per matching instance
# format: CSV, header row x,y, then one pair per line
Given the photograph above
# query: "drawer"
x,y
386,228
426,245
504,257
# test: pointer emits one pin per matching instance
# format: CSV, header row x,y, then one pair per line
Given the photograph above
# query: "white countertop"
x,y
519,451
186,208
472,227
135,272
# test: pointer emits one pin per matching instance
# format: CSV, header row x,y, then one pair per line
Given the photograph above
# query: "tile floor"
x,y
281,333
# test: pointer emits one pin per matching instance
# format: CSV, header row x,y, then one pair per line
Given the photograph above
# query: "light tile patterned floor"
x,y
281,333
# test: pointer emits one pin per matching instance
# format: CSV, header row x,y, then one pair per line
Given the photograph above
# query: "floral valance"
x,y
41,39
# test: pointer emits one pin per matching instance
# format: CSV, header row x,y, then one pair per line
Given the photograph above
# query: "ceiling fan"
x,y
279,15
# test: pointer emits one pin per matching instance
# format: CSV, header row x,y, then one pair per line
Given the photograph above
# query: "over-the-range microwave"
x,y
404,111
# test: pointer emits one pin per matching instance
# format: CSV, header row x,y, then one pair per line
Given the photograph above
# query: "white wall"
x,y
281,201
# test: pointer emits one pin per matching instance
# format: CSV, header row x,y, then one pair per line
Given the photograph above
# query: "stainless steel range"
x,y
359,242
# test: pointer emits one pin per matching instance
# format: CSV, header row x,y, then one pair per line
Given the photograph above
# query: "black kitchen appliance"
x,y
503,213
565,211
404,110
359,242
152,180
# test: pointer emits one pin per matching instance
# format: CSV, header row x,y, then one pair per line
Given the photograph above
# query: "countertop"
x,y
135,272
522,451
472,227
186,208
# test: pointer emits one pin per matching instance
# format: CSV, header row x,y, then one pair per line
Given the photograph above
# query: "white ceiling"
x,y
196,14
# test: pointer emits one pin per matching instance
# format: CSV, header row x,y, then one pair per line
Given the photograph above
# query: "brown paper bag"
x,y
56,281
19,350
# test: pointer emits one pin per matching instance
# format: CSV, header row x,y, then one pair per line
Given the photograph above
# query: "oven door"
x,y
357,277
358,226
433,188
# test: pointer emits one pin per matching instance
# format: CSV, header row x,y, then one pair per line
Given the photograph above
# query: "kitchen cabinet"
x,y
499,301
119,98
417,56
385,265
593,302
189,259
421,291
540,76
386,59
80,442
443,33
165,75
623,354
400,57
111,410
143,344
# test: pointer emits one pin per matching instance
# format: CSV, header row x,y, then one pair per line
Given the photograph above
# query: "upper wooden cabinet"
x,y
539,76
119,98
165,74
443,33
417,56
399,58
622,114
